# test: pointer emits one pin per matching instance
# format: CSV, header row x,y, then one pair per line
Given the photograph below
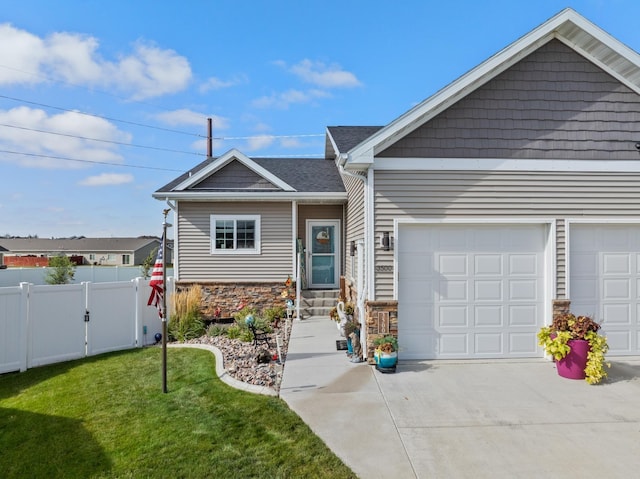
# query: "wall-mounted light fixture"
x,y
385,241
352,249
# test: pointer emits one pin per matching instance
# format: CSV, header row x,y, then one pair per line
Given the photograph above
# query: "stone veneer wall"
x,y
230,297
382,319
560,307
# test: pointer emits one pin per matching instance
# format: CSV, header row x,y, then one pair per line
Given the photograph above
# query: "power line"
x,y
44,105
266,136
89,161
101,140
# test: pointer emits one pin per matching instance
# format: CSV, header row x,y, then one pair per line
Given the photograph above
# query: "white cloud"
x,y
107,179
259,142
152,72
32,140
147,72
322,75
285,99
185,116
215,83
290,142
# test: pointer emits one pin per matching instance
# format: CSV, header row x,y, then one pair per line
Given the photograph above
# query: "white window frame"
x,y
235,218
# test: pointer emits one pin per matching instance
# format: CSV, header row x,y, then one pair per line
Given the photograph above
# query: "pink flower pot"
x,y
573,364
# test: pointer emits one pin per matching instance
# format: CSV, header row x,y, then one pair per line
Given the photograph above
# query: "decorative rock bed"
x,y
240,358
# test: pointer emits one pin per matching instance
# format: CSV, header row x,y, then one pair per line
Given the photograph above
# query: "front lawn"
x,y
106,417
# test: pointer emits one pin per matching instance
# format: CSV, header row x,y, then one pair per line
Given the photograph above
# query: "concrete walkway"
x,y
463,419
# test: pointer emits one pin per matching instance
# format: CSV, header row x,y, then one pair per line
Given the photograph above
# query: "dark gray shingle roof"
x,y
347,137
41,245
304,174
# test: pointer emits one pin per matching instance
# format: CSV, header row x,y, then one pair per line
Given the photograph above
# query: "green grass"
x,y
107,417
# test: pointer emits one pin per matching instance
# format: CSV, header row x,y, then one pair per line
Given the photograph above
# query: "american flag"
x,y
156,283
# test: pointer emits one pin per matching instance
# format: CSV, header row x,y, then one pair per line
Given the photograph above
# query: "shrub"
x,y
186,319
216,330
61,270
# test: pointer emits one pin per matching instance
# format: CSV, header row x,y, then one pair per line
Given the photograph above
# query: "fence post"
x,y
24,326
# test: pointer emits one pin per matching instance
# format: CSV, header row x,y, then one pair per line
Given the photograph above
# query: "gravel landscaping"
x,y
241,358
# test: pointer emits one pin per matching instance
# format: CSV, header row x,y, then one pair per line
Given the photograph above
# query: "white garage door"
x,y
470,291
604,273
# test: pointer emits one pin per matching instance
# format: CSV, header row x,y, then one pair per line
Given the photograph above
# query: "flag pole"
x,y
164,301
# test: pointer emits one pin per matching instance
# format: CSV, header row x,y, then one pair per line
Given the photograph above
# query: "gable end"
x,y
553,104
234,176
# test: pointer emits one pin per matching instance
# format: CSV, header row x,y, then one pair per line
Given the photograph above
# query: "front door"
x,y
323,253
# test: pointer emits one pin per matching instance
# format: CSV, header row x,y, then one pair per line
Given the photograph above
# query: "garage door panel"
x,y
488,264
453,345
487,290
524,315
481,273
523,344
616,289
523,290
452,290
454,316
616,314
616,263
619,341
488,344
488,316
523,264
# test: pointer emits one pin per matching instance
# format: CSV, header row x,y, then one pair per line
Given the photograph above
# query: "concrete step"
x,y
318,302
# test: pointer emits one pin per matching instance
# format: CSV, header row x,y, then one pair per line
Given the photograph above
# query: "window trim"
x,y
212,234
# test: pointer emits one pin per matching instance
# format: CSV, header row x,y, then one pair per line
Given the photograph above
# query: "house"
x,y
465,223
241,223
90,251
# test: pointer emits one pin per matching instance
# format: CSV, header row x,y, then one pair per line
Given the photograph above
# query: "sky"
x,y
104,102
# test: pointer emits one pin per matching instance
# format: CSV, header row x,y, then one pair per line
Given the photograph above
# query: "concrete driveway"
x,y
463,419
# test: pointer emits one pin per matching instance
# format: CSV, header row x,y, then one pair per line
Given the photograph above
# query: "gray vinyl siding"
x,y
355,219
194,243
561,259
553,104
457,194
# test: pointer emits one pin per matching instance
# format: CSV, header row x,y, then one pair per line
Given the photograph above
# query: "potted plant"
x,y
576,346
385,352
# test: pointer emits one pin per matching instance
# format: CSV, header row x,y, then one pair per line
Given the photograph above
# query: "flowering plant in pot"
x,y
567,334
386,351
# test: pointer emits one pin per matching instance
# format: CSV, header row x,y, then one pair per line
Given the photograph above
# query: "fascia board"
x,y
226,158
248,196
487,70
333,143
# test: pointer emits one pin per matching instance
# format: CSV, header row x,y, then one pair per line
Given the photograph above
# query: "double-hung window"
x,y
235,234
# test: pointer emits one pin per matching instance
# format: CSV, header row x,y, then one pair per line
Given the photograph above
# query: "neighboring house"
x,y
88,251
508,195
2,251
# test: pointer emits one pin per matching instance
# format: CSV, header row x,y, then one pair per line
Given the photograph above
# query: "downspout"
x,y
361,279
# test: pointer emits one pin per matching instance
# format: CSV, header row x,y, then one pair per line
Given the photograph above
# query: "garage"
x,y
470,291
604,271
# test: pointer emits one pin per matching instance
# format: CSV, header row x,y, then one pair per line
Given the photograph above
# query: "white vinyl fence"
x,y
48,324
95,274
